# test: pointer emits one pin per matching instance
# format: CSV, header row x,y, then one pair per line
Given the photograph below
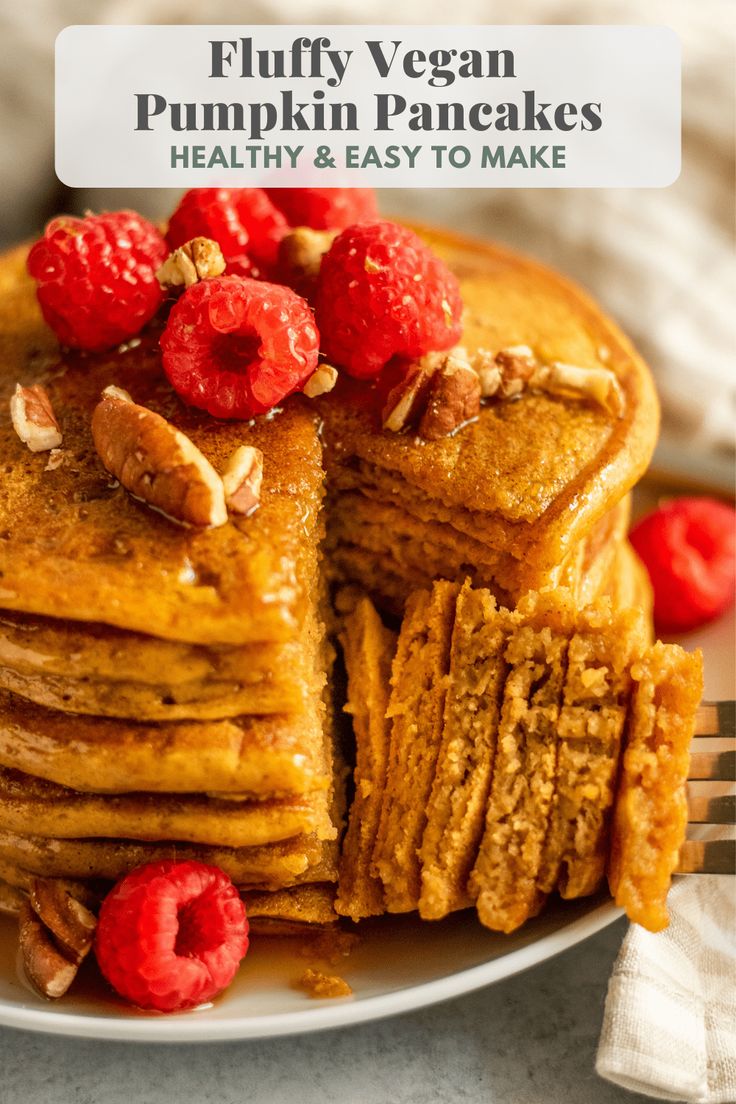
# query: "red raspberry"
x,y
325,208
96,277
236,347
382,293
171,935
243,221
689,549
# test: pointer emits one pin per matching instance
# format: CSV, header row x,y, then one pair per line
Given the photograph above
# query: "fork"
x,y
711,793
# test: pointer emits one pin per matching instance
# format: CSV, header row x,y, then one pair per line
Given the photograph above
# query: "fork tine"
x,y
712,757
708,857
716,719
711,802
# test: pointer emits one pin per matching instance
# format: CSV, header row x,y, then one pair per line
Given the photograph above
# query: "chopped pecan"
x,y
242,478
300,256
407,399
71,924
33,418
598,384
46,966
194,261
453,400
323,380
516,369
156,462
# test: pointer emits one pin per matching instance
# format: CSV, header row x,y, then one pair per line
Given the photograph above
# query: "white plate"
x,y
400,964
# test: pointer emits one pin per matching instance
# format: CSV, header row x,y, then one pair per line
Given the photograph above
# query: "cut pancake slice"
x,y
271,755
416,710
32,805
368,649
650,813
457,806
595,702
504,878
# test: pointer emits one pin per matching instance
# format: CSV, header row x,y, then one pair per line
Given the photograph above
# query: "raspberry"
x,y
325,208
171,935
96,277
235,347
689,549
243,221
382,293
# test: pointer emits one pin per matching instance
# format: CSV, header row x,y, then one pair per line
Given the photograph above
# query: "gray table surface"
x,y
528,1040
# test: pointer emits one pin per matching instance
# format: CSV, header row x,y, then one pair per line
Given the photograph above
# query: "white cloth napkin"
x,y
669,1028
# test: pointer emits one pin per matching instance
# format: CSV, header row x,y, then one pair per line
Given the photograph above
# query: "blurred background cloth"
x,y
661,261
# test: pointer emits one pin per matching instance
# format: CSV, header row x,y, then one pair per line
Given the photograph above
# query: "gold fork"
x,y
711,793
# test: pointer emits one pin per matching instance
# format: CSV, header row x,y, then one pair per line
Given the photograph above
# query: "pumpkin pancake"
x,y
277,754
33,805
528,479
76,545
271,866
457,806
650,813
416,711
362,529
368,648
504,878
595,703
106,672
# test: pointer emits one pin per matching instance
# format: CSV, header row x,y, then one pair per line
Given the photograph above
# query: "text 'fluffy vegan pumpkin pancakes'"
x,y
166,690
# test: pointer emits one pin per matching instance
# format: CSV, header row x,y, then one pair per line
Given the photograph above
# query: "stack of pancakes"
x,y
532,494
513,753
162,689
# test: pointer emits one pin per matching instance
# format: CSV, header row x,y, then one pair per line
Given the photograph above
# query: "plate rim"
x,y
191,1027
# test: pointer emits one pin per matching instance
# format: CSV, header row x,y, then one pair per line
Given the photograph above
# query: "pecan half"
x,y
453,400
33,418
194,261
46,966
156,462
323,380
71,924
242,478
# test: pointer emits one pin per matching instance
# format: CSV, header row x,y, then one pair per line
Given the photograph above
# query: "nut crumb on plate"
x,y
319,985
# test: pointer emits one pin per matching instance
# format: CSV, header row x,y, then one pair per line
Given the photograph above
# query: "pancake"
x,y
529,479
368,647
416,551
595,703
457,806
48,646
76,669
416,710
296,861
505,876
76,545
278,754
34,806
650,815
